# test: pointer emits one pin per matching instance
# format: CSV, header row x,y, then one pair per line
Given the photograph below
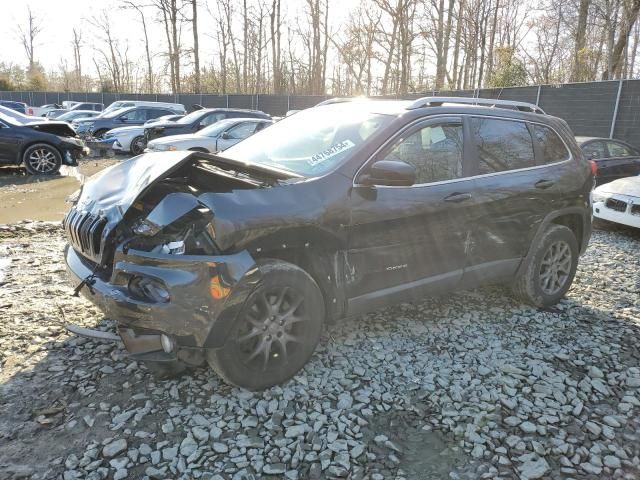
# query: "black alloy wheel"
x,y
276,330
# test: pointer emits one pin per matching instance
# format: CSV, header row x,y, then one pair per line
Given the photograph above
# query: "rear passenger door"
x,y
519,167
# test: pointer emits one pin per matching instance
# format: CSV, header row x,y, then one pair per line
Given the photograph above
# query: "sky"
x,y
59,17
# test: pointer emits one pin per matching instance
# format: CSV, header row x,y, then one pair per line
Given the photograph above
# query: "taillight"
x,y
594,168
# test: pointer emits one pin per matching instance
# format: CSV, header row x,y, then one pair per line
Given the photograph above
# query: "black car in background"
x,y
124,117
239,258
197,120
43,147
613,159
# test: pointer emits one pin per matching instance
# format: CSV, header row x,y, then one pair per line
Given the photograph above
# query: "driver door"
x,y
406,242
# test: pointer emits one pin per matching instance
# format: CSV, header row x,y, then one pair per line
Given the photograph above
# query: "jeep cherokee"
x,y
239,258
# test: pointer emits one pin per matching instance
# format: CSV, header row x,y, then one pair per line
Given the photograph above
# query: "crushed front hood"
x,y
62,129
111,192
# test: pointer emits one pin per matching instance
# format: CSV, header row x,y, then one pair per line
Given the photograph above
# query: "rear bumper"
x,y
205,293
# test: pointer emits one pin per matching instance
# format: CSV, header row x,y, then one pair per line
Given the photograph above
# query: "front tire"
x,y
276,331
138,144
42,159
549,274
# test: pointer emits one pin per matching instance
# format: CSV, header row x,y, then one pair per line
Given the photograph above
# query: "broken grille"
x,y
84,231
615,204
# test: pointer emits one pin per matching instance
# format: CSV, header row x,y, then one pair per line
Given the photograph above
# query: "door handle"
x,y
544,184
458,197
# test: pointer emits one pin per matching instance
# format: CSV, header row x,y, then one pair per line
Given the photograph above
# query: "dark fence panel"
x,y
589,108
214,101
627,125
242,101
273,104
299,102
518,94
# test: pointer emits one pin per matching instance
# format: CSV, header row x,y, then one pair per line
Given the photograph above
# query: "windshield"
x,y
217,128
192,117
310,142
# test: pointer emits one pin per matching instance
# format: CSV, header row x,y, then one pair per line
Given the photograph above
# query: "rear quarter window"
x,y
552,147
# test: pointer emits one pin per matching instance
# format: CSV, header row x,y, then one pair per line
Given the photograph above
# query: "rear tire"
x,y
42,159
276,331
549,274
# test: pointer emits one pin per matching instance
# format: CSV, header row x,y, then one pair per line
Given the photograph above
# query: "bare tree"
x,y
28,36
77,60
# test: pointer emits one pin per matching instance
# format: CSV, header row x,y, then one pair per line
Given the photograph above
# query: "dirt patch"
x,y
39,197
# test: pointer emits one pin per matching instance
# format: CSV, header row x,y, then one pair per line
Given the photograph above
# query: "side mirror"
x,y
394,173
122,120
225,136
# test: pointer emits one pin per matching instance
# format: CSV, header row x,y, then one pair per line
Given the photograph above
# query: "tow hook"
x,y
88,281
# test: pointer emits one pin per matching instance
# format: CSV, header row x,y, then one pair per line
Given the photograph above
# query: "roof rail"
x,y
331,101
489,102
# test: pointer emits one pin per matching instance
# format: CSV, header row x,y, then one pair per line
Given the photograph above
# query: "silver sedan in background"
x,y
131,139
214,138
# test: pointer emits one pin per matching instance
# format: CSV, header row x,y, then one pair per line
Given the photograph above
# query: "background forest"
x,y
314,47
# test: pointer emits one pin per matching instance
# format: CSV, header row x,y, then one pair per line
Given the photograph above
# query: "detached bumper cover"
x,y
205,292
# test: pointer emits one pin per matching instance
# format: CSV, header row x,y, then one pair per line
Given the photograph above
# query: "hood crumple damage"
x,y
175,202
61,129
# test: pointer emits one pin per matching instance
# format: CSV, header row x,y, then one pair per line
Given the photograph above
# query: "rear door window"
x,y
617,150
211,119
551,145
502,145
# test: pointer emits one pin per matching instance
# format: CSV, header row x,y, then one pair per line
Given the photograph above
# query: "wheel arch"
x,y
321,257
577,219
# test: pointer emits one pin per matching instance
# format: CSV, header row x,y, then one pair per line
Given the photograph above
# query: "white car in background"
x,y
131,139
20,117
214,138
618,201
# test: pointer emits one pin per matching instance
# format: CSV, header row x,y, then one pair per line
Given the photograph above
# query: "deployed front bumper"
x,y
205,293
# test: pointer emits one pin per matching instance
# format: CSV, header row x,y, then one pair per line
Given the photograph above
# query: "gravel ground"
x,y
472,385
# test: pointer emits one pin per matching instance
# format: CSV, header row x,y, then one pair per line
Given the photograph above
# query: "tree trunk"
x,y
577,73
196,52
616,55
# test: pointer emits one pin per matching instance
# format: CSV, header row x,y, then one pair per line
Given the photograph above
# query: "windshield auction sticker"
x,y
330,152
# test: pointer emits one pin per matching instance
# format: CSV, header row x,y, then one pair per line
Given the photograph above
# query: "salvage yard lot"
x,y
474,383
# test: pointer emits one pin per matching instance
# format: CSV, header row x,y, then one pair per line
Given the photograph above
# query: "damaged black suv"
x,y
238,259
